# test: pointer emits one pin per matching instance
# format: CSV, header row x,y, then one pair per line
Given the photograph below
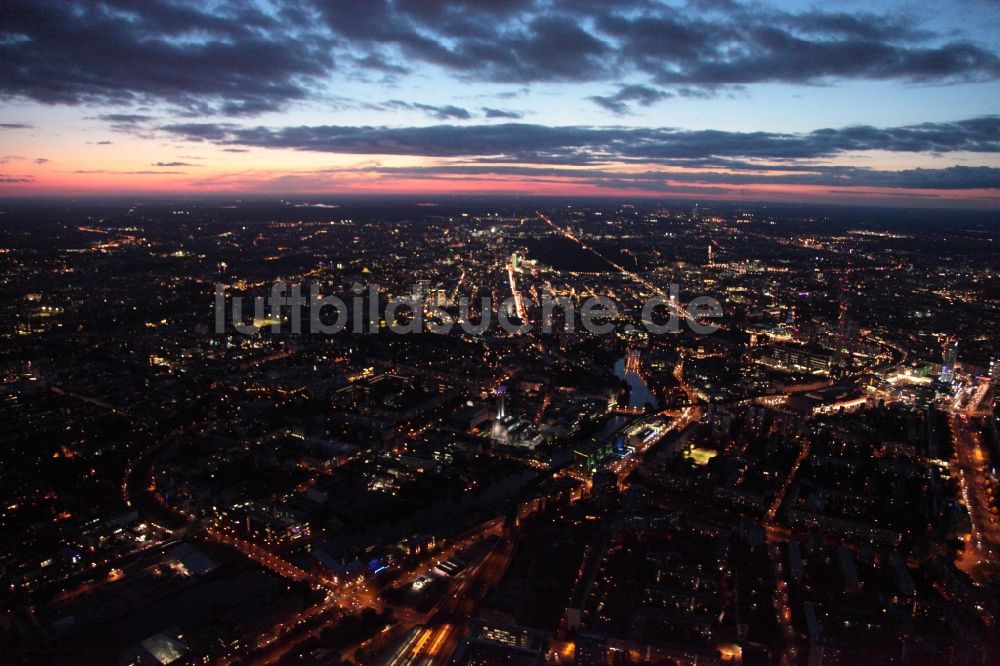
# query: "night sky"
x,y
869,102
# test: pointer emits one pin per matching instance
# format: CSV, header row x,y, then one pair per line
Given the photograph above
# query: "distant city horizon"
x,y
982,208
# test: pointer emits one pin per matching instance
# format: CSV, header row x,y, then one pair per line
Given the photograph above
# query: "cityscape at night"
x,y
427,332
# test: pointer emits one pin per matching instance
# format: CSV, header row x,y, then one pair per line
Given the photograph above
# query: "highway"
x,y
680,311
967,468
782,606
693,396
779,497
354,597
437,640
522,311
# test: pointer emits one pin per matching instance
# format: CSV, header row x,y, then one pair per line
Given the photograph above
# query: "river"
x,y
639,394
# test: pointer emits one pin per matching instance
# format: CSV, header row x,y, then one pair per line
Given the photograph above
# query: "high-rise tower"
x,y
949,358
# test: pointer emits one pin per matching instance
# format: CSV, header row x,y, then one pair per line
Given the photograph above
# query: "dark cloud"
x,y
378,63
129,123
777,55
490,112
5,178
171,164
124,118
742,45
640,94
511,94
216,132
224,57
502,41
859,25
15,126
587,145
238,58
949,178
611,104
146,172
442,112
6,159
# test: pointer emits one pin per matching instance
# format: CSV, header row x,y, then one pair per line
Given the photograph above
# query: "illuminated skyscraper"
x,y
949,359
